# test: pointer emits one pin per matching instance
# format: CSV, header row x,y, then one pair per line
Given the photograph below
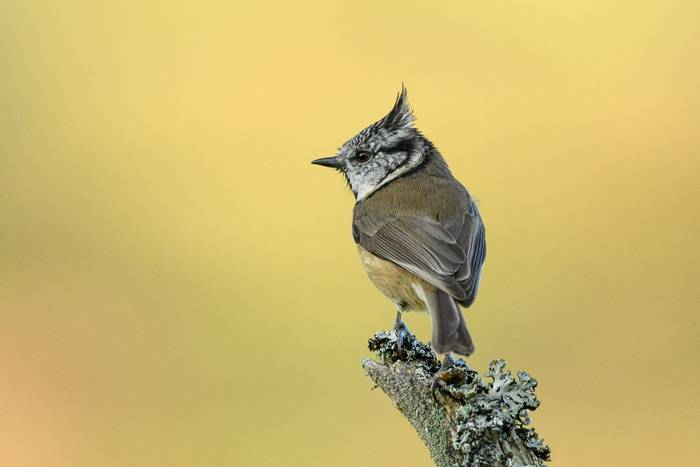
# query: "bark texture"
x,y
463,418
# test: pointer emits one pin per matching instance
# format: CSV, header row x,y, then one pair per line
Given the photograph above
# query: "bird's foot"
x,y
401,332
443,376
454,377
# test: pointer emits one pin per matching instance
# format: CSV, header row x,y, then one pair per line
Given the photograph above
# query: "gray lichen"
x,y
463,418
492,412
384,343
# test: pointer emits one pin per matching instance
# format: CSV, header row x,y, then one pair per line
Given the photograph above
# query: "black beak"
x,y
333,162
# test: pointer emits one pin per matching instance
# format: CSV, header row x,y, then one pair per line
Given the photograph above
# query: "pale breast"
x,y
394,281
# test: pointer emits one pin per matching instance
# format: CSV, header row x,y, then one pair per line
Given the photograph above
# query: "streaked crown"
x,y
381,152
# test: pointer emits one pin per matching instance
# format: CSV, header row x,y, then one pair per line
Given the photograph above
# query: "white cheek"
x,y
364,187
364,191
365,183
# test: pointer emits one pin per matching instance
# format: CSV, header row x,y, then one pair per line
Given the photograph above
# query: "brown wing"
x,y
446,253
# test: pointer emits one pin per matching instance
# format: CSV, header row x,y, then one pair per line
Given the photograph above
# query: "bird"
x,y
418,231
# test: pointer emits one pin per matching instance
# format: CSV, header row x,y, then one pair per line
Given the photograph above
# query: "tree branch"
x,y
463,419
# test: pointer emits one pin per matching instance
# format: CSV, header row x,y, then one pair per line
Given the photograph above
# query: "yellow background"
x,y
179,287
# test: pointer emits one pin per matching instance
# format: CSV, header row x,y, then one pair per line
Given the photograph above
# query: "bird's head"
x,y
382,152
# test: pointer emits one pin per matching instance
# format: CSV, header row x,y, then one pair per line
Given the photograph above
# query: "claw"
x,y
401,332
448,362
439,377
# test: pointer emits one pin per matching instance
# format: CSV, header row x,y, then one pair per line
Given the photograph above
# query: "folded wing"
x,y
447,253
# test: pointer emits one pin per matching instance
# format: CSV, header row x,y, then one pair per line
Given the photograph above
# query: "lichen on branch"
x,y
463,418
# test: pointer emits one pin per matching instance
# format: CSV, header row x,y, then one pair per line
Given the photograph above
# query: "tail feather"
x,y
450,332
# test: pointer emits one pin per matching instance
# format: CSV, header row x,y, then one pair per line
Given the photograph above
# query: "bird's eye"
x,y
363,156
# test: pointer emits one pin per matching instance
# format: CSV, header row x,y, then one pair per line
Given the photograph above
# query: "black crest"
x,y
400,115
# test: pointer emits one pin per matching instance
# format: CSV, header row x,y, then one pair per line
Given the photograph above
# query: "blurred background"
x,y
179,287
